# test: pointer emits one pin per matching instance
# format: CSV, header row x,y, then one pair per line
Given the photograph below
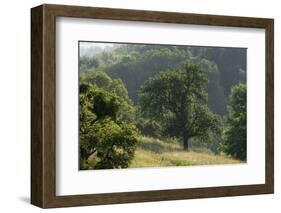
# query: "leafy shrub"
x,y
126,111
105,142
113,144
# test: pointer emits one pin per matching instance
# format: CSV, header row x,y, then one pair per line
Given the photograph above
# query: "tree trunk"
x,y
185,141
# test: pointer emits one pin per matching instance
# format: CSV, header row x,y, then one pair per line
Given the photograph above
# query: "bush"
x,y
105,142
113,144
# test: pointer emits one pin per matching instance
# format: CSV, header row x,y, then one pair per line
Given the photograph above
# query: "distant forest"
x,y
129,73
134,64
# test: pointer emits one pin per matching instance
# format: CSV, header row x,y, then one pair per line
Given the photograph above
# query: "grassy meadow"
x,y
153,152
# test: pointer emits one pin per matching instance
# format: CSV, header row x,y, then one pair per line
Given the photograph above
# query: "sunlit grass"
x,y
157,153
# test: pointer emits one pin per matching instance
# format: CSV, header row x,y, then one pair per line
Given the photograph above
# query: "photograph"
x,y
156,105
140,105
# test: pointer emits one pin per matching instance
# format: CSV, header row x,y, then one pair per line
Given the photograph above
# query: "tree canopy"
x,y
126,110
235,143
179,100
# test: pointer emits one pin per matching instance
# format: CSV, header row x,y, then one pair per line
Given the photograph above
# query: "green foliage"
x,y
230,61
98,101
99,78
109,143
216,96
223,66
87,63
178,99
149,127
127,61
235,136
139,62
126,110
113,144
107,57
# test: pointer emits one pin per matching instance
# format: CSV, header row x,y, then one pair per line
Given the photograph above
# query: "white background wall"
x,y
15,105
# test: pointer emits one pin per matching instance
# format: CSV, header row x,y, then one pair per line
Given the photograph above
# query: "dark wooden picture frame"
x,y
43,105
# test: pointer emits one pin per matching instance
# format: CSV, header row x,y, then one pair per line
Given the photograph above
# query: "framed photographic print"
x,y
135,106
